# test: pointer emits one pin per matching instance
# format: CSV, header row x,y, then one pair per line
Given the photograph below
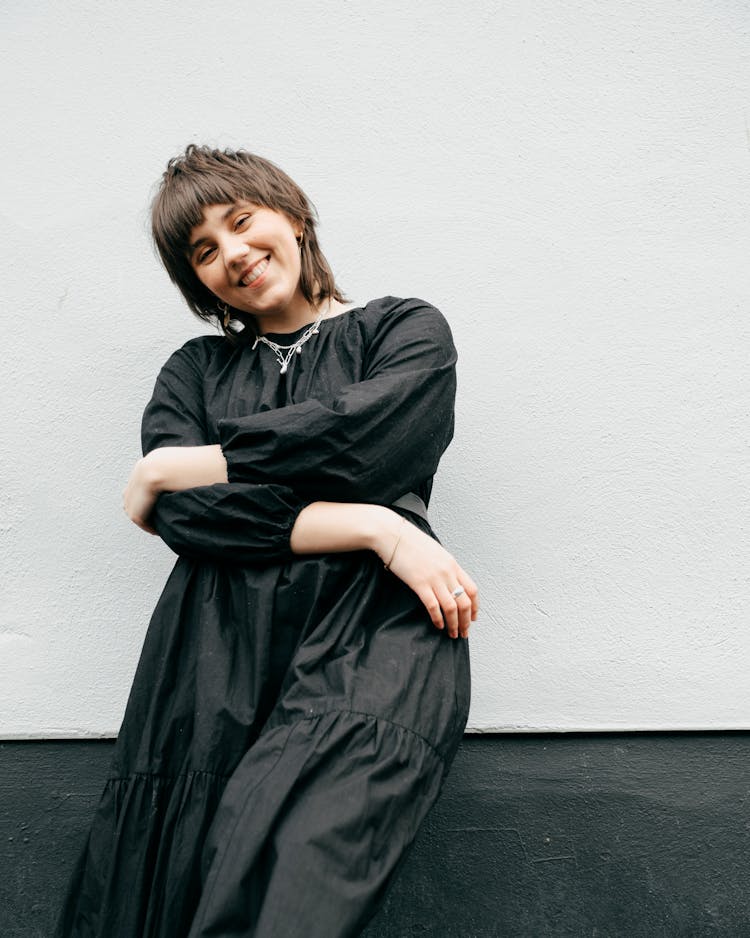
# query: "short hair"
x,y
202,176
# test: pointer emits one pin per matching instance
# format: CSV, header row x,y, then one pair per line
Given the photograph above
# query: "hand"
x,y
434,575
416,558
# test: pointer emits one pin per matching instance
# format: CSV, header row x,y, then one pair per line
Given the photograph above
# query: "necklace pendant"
x,y
285,353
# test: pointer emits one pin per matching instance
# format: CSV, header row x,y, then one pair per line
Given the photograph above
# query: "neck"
x,y
291,321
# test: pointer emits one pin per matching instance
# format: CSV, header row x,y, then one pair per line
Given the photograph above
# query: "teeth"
x,y
256,272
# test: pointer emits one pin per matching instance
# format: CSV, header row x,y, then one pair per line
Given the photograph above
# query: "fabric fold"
x,y
371,440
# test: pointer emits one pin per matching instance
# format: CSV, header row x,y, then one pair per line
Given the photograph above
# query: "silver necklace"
x,y
285,353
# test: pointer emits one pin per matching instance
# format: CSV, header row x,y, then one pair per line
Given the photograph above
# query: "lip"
x,y
251,267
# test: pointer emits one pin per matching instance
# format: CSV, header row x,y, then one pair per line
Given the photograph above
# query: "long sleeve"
x,y
377,438
239,522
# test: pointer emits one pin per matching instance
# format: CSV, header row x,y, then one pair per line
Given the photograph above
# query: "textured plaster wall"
x,y
570,183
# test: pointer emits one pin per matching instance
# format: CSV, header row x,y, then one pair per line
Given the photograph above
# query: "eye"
x,y
203,255
242,220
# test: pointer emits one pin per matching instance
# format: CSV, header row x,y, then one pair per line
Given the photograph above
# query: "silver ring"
x,y
458,591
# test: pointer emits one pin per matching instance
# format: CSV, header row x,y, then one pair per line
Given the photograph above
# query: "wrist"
x,y
383,532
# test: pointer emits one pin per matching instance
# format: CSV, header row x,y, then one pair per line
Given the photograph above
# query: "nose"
x,y
234,250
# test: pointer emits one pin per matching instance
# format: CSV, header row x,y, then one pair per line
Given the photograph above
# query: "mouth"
x,y
252,275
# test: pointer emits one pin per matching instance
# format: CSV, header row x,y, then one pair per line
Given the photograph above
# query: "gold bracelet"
x,y
395,546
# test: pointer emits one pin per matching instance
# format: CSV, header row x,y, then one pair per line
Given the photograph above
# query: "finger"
x,y
450,609
432,606
463,602
472,591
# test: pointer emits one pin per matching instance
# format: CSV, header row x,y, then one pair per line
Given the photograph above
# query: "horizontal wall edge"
x,y
499,729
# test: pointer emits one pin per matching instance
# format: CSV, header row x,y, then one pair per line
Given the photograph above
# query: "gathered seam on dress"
x,y
359,713
170,778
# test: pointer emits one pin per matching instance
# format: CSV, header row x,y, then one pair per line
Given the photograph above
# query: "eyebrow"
x,y
200,241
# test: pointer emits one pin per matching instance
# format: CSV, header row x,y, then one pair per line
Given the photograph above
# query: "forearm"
x,y
176,468
367,441
234,523
336,527
170,469
446,590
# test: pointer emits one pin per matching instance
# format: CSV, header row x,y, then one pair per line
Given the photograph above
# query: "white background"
x,y
570,183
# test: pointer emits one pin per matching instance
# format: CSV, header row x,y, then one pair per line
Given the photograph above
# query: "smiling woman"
x,y
299,697
249,257
222,181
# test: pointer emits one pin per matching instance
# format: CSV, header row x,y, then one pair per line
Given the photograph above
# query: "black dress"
x,y
292,718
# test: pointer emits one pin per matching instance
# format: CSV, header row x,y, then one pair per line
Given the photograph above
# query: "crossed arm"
x,y
300,479
323,527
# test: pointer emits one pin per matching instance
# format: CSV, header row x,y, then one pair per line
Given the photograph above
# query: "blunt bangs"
x,y
181,207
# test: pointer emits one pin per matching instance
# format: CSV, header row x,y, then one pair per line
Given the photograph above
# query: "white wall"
x,y
570,183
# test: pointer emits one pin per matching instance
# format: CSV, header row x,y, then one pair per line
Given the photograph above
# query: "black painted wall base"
x,y
586,836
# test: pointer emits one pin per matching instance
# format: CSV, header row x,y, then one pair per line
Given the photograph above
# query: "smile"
x,y
254,273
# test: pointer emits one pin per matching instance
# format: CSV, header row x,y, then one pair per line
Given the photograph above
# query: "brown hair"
x,y
201,177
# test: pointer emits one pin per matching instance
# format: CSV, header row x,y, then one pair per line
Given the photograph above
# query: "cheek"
x,y
288,251
208,278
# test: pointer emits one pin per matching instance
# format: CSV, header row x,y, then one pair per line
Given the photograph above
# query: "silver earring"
x,y
224,313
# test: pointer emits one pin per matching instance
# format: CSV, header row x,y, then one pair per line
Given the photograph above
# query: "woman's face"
x,y
248,256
